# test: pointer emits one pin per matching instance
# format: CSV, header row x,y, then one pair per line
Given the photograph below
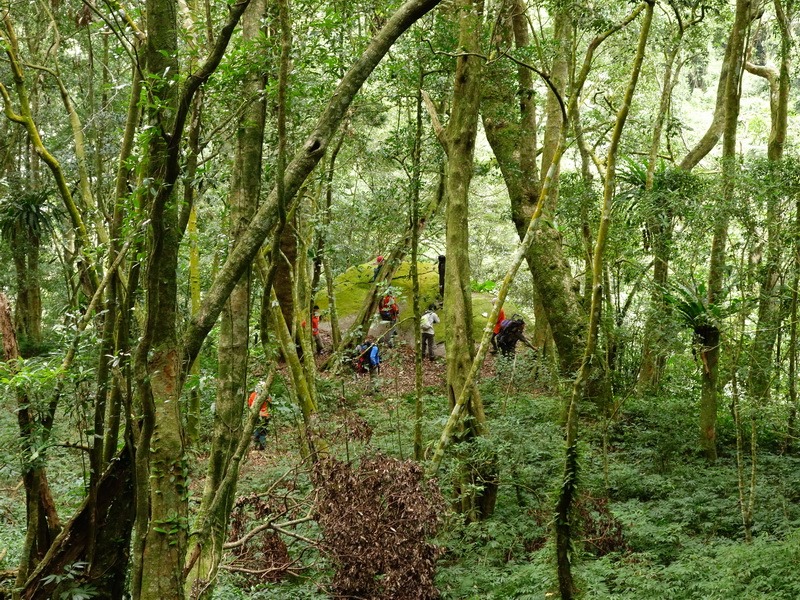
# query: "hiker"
x,y
388,311
314,333
260,430
426,323
368,360
501,316
377,269
315,330
511,332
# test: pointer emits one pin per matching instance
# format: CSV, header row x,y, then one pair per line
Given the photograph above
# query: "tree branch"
x,y
435,122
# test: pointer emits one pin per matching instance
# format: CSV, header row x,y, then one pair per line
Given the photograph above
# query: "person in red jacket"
x,y
388,311
315,330
500,318
260,430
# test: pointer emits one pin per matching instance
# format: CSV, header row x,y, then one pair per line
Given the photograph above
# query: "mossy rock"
x,y
352,286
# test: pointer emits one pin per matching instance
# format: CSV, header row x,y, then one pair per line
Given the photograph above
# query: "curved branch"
x,y
546,78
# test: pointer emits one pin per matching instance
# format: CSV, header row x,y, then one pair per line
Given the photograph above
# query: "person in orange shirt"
x,y
388,310
315,330
260,430
500,318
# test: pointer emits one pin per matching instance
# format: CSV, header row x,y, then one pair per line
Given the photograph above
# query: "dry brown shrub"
x,y
265,557
600,531
377,519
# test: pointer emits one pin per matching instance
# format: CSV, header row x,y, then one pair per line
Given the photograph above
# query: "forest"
x,y
399,300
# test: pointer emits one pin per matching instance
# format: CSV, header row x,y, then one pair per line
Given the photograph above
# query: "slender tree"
x,y
234,335
566,497
711,339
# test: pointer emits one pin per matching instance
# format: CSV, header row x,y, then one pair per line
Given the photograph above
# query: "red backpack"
x,y
388,307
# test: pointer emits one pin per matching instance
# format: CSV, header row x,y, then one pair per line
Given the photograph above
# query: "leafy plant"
x,y
692,305
69,583
27,214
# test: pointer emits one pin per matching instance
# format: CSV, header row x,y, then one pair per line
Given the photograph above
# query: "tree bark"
x,y
160,534
459,143
762,366
234,335
716,270
567,493
514,146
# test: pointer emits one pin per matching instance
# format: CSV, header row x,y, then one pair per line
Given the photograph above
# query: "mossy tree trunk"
x,y
161,479
161,475
514,144
716,271
769,312
458,140
234,335
568,491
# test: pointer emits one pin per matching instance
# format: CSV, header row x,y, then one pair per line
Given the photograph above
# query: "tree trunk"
x,y
660,226
791,433
113,512
159,541
716,270
415,185
234,335
25,248
567,493
762,366
42,524
459,144
333,317
190,193
514,146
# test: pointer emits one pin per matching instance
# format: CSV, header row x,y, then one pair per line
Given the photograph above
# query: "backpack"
x,y
388,308
363,358
510,332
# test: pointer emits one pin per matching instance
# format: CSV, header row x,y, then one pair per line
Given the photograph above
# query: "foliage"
x,y
692,305
27,214
68,583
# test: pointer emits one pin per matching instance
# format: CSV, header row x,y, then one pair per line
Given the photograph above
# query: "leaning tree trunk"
x,y
161,362
311,152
